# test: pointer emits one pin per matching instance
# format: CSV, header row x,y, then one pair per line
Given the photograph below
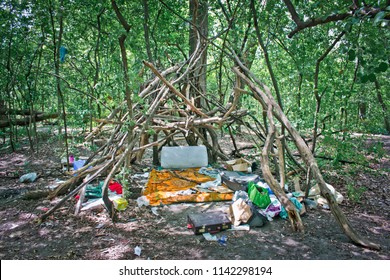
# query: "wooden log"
x,y
26,121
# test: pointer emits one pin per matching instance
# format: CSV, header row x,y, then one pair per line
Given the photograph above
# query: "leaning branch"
x,y
364,11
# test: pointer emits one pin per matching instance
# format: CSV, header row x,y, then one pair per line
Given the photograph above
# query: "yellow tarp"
x,y
167,187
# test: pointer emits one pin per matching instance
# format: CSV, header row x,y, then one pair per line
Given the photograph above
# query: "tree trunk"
x,y
56,59
198,78
384,107
318,96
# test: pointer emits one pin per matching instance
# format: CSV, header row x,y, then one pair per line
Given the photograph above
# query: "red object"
x,y
115,187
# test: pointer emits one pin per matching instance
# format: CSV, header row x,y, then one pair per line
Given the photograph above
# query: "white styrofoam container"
x,y
184,157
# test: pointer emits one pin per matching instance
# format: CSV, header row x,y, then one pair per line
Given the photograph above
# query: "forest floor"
x,y
92,235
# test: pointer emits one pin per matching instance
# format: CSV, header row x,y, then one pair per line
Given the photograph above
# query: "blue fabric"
x,y
283,214
78,164
63,52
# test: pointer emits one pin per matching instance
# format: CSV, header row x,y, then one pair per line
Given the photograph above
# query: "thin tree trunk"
x,y
146,31
56,59
318,96
383,105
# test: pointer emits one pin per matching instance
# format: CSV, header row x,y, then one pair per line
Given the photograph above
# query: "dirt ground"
x,y
164,235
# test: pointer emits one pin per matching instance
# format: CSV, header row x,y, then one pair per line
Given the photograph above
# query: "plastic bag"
x,y
142,201
273,209
28,178
258,195
240,212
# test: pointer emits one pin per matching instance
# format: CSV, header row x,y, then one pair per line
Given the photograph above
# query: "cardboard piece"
x,y
237,181
240,212
238,165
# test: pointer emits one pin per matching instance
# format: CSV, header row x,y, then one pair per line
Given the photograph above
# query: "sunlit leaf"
x,y
378,18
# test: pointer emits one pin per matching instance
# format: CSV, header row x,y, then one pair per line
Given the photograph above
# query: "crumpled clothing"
x,y
209,172
212,184
115,187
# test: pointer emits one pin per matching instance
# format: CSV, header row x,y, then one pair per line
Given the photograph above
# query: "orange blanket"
x,y
167,187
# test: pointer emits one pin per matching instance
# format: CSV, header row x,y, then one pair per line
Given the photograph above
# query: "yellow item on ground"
x,y
120,204
167,187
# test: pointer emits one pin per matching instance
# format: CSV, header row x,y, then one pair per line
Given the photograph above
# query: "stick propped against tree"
x,y
264,96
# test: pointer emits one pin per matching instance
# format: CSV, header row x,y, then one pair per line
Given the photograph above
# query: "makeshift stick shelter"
x,y
163,108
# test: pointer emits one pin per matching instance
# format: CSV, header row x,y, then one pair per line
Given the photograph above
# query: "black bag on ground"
x,y
257,219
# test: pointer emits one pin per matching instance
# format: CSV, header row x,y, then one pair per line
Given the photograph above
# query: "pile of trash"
x,y
253,202
93,196
185,176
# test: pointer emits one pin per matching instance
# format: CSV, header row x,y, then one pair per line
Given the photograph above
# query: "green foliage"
x,y
123,178
342,150
355,194
377,149
92,78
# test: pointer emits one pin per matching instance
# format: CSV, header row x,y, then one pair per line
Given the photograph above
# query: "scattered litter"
x,y
240,212
92,191
99,226
245,227
115,187
108,239
325,206
222,240
56,183
257,219
210,237
137,251
154,211
92,204
312,204
141,176
208,222
301,208
78,164
298,194
240,194
221,189
265,186
315,193
120,203
258,195
297,204
28,178
237,181
42,208
209,172
273,209
239,165
142,201
212,184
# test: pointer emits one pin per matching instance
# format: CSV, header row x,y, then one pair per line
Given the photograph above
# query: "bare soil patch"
x,y
92,235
